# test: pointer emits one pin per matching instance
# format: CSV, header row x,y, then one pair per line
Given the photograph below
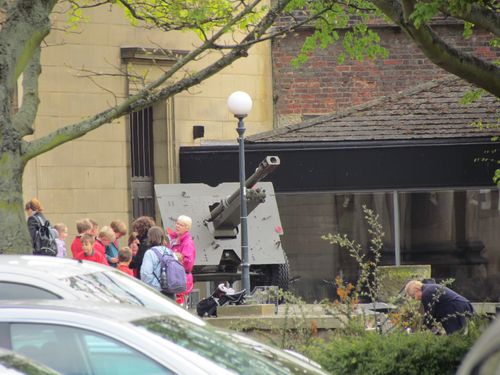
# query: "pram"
x,y
221,296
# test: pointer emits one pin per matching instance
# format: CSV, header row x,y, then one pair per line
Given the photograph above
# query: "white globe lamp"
x,y
239,103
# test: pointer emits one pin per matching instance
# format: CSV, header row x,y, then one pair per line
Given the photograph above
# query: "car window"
x,y
222,348
14,364
74,351
117,287
16,291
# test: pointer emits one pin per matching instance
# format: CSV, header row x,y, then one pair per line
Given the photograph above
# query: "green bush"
x,y
399,353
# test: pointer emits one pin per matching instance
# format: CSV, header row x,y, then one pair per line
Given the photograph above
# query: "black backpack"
x,y
207,307
45,239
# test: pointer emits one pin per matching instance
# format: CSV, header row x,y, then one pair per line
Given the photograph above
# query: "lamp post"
x,y
239,104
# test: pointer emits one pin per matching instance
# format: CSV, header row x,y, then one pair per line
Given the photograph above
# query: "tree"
x,y
25,23
415,18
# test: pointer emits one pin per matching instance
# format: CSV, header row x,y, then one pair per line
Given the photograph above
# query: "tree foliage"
x,y
415,18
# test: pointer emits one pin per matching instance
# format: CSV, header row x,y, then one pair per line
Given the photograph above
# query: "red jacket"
x,y
76,248
99,247
124,268
96,257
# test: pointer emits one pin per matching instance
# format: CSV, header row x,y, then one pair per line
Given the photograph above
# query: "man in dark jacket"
x,y
442,305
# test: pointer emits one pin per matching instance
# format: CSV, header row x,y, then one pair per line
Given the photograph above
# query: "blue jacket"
x,y
111,252
446,307
150,268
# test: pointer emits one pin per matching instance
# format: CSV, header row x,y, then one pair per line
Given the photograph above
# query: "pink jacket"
x,y
185,246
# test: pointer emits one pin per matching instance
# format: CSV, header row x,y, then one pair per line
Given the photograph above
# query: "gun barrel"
x,y
266,166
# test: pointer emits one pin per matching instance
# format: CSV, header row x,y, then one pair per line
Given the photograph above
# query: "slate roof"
x,y
428,111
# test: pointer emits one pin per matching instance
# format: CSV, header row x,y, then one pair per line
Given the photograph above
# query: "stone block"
x,y
245,310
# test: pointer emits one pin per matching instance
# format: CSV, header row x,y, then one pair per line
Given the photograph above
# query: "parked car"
x,y
43,277
484,356
98,338
15,364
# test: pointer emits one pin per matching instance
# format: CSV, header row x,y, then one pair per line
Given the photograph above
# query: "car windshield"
x,y
116,287
228,349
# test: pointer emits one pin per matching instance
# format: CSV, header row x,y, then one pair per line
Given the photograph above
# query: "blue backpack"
x,y
172,275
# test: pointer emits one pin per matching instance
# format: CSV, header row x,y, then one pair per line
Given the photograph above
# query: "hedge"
x,y
399,353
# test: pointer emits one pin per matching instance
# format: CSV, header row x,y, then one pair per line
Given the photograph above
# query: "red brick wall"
x,y
322,86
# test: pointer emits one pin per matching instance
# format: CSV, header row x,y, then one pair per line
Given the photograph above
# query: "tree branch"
x,y
281,31
477,71
16,56
481,16
147,95
25,117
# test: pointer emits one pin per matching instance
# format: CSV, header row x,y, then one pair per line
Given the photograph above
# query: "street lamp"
x,y
239,104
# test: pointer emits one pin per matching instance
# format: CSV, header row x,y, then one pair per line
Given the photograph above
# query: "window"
x,y
22,291
455,231
74,351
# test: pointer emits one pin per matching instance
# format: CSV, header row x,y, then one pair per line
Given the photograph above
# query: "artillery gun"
x,y
216,219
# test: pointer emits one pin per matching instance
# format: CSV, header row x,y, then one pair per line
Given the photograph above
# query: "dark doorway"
x,y
142,162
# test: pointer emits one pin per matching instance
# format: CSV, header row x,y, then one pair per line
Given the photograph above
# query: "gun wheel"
x,y
273,274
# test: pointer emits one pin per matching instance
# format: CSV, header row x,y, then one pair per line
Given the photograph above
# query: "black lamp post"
x,y
239,104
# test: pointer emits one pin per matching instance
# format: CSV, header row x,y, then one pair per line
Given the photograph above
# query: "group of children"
x,y
99,245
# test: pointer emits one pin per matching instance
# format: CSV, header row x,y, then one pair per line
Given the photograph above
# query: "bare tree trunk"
x,y
14,238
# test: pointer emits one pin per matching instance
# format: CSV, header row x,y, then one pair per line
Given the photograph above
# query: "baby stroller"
x,y
221,296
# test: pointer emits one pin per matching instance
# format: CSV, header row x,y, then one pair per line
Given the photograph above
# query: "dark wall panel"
x,y
332,167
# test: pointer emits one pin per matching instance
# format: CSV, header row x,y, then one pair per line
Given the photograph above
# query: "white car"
x,y
484,356
96,338
43,277
15,364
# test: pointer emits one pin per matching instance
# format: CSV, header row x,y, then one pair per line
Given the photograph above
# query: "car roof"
x,y
117,312
50,266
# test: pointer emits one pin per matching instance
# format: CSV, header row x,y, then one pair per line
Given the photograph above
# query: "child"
x,y
82,226
95,227
89,253
104,238
124,259
120,229
62,233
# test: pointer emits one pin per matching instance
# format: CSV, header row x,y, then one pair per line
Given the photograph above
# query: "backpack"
x,y
172,275
45,239
207,307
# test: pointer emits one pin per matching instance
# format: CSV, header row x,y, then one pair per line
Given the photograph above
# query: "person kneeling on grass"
x,y
442,305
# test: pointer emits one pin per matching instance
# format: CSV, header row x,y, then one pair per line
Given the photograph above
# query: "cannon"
x,y
216,219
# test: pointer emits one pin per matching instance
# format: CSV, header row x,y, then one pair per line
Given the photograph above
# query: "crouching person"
x,y
442,305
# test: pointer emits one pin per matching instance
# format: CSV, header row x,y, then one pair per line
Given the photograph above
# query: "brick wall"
x,y
322,86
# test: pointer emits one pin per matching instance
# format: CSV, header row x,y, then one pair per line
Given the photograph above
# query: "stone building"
x,y
412,157
109,173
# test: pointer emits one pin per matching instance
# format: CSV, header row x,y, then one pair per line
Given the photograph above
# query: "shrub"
x,y
399,353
